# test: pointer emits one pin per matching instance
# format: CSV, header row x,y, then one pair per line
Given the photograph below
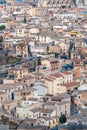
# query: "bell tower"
x,y
71,48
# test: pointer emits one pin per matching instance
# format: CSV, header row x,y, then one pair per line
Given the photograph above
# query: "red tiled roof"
x,y
71,84
74,9
66,73
78,60
48,79
57,75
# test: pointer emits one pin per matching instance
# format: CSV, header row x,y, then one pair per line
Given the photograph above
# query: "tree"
x,y
47,48
56,55
25,20
62,118
4,119
2,27
39,61
34,66
1,38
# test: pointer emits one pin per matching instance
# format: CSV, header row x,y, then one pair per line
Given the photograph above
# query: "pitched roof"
x,y
70,84
57,75
66,73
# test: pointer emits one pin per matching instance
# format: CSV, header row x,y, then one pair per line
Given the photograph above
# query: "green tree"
x,y
4,119
34,66
62,118
56,55
2,27
1,38
39,61
25,20
47,48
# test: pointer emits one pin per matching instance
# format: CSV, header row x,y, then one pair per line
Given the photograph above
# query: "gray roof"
x,y
28,127
4,127
8,86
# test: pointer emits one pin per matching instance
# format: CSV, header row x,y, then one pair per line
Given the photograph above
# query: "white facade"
x,y
31,46
28,102
42,90
10,88
67,15
43,39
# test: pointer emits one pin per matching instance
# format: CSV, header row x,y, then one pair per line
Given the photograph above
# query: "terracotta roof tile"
x,y
71,84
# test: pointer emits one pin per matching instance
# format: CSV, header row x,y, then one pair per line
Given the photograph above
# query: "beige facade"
x,y
28,80
25,94
22,95
77,72
54,82
18,72
12,23
22,50
10,105
43,69
21,31
53,85
78,63
62,107
54,3
71,86
10,8
52,64
3,97
54,49
7,45
68,76
6,81
80,99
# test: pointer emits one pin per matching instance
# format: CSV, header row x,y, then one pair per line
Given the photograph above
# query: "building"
x,y
25,94
25,126
10,105
62,107
54,3
27,111
9,89
79,99
3,97
78,63
77,72
43,69
21,31
55,82
4,127
18,73
42,89
72,126
22,50
27,80
52,64
71,86
7,45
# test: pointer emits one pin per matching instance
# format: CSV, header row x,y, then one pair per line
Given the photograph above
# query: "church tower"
x,y
71,48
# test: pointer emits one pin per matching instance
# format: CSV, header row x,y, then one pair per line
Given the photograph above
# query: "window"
x,y
43,122
65,112
78,96
65,106
44,114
